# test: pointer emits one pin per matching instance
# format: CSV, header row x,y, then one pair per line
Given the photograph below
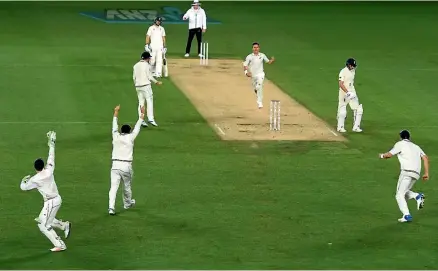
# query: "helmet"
x,y
158,19
351,61
145,55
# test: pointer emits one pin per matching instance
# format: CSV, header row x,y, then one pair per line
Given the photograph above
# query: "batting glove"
x,y
351,95
164,50
147,48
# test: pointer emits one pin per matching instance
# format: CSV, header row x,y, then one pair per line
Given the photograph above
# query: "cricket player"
x,y
347,95
142,77
410,156
253,67
44,182
156,46
122,155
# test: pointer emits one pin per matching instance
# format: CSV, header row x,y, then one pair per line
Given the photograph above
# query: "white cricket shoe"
x,y
186,55
406,218
67,229
58,249
357,130
420,201
201,55
341,130
130,205
153,123
144,124
111,212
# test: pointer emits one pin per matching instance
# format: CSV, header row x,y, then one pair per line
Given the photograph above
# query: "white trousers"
x,y
47,221
405,183
157,60
354,104
257,84
146,94
121,171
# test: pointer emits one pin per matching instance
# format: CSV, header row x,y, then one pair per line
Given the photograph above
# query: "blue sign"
x,y
170,15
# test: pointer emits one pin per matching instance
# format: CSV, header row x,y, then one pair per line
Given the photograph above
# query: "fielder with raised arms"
x,y
156,46
409,156
122,155
44,182
253,67
347,95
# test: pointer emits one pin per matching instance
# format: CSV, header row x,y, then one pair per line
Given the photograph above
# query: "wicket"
x,y
274,117
204,54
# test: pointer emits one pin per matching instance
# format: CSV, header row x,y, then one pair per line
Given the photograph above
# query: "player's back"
x,y
409,156
46,184
123,147
140,71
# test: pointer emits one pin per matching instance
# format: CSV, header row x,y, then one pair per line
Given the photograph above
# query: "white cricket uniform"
x,y
255,67
156,34
142,77
44,182
409,156
122,156
347,76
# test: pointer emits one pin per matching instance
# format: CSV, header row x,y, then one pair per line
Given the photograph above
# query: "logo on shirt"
x,y
170,15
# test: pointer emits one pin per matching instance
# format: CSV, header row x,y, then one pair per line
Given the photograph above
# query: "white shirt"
x,y
44,180
142,74
347,76
156,34
255,63
123,144
409,155
197,18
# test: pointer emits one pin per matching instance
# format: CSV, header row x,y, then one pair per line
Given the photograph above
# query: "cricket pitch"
x,y
225,98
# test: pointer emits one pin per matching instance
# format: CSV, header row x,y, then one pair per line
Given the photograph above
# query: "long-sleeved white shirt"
x,y
142,74
123,144
197,18
409,155
44,180
255,63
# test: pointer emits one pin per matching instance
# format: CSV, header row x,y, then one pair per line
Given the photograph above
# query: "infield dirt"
x,y
225,98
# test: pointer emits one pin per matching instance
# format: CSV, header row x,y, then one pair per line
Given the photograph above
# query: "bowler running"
x,y
253,67
410,156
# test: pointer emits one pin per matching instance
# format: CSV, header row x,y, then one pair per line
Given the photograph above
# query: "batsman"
x,y
156,46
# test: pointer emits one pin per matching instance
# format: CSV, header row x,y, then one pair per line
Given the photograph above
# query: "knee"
x,y
400,196
342,112
43,228
140,102
359,109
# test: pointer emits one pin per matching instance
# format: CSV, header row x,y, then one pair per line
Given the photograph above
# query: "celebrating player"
x,y
253,67
410,156
122,155
347,95
44,182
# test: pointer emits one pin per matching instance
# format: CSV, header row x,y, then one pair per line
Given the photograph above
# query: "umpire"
x,y
197,26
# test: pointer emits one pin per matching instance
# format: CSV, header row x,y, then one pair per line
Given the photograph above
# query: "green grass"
x,y
204,203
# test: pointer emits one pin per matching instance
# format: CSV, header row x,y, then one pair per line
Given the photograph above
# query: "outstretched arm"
x,y
137,126
115,128
51,158
27,183
394,151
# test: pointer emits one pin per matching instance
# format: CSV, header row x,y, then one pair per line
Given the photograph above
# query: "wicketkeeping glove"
x,y
52,138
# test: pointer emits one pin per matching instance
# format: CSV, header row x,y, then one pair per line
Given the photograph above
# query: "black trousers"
x,y
192,33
